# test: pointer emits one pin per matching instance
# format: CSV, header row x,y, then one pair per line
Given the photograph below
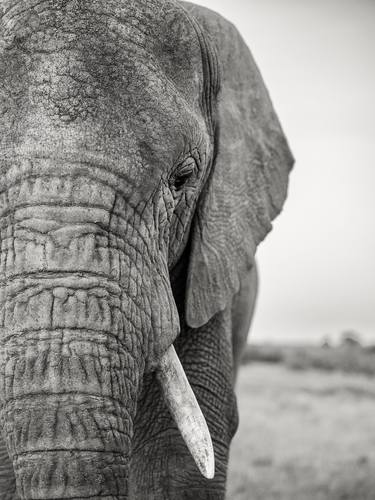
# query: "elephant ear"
x,y
247,185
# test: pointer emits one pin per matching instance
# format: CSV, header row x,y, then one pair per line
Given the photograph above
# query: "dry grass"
x,y
304,435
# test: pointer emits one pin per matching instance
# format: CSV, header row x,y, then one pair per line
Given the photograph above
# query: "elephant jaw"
x,y
186,412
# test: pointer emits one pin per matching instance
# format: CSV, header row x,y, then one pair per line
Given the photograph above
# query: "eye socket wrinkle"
x,y
183,173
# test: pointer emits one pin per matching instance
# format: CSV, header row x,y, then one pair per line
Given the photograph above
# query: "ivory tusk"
x,y
186,412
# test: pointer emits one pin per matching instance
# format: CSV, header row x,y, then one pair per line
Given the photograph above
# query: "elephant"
x,y
141,164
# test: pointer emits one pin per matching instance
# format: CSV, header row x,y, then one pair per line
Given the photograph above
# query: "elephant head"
x,y
131,133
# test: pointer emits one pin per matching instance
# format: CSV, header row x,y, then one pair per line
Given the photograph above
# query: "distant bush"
x,y
351,358
305,358
350,338
262,353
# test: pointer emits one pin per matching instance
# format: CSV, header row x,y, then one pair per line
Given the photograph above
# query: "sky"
x,y
317,267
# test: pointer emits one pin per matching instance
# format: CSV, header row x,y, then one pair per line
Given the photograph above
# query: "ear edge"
x,y
274,168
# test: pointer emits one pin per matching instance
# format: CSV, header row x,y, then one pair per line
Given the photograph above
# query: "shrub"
x,y
345,358
262,353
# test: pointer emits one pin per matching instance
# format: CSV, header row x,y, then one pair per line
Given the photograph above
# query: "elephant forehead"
x,y
102,75
112,36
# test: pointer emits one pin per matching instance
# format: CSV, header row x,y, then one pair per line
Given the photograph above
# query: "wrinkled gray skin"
x,y
141,163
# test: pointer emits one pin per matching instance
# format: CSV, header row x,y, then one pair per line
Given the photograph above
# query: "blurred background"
x,y
307,388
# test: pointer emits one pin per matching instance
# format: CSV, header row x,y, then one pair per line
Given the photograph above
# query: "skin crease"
x,y
141,163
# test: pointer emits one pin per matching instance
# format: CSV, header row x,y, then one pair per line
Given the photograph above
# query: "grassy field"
x,y
304,435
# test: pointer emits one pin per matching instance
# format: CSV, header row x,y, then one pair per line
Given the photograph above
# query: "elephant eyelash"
x,y
184,172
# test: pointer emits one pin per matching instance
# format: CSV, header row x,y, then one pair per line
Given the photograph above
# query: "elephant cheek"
x,y
72,351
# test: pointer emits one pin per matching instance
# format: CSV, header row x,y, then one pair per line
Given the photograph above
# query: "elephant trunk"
x,y
77,328
67,413
71,342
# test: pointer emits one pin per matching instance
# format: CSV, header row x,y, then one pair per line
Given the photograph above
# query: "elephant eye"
x,y
183,173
